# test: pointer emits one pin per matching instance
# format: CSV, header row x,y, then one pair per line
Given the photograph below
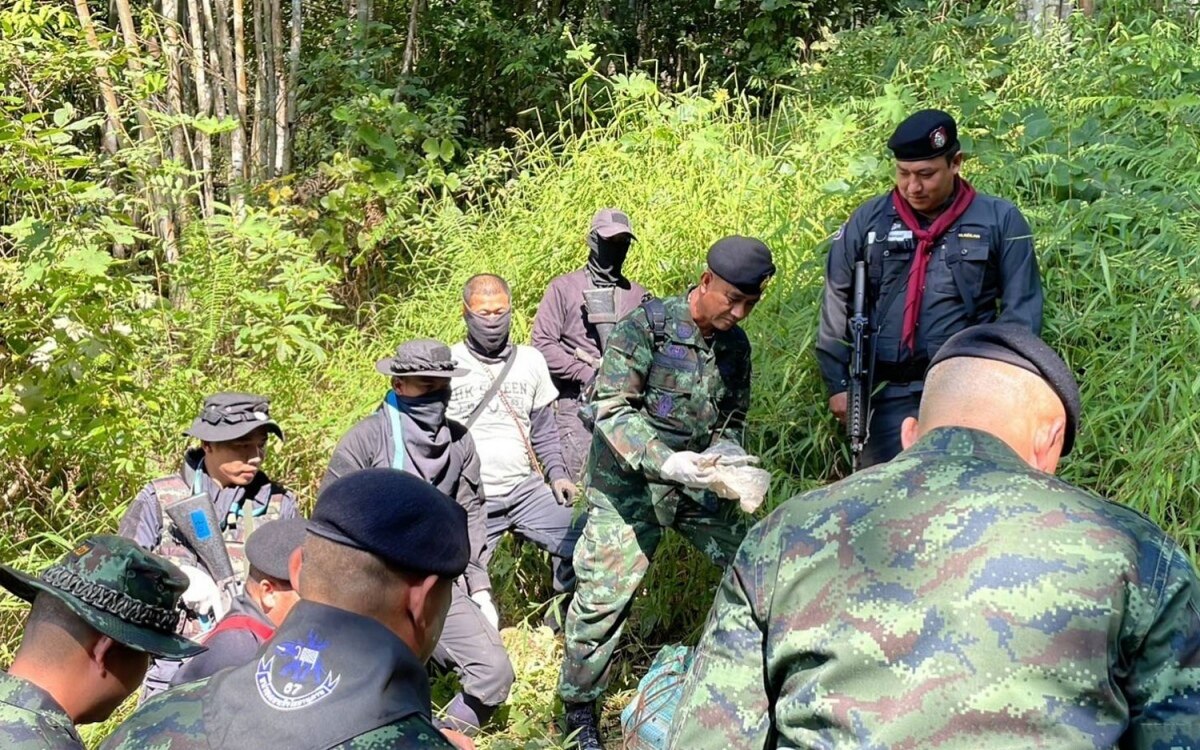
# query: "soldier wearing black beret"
x,y
233,430
670,404
939,258
346,668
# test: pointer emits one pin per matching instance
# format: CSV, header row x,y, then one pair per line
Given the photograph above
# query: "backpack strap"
x,y
656,314
261,630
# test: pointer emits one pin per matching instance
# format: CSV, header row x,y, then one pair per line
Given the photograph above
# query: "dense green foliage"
x,y
1093,129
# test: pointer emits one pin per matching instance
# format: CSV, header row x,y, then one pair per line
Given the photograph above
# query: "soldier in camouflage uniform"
x,y
675,380
233,429
346,668
97,616
959,596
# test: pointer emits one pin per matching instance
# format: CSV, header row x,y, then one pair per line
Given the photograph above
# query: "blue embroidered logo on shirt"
x,y
300,680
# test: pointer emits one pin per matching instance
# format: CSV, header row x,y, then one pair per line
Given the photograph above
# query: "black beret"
x,y
270,546
1020,347
742,261
399,518
924,135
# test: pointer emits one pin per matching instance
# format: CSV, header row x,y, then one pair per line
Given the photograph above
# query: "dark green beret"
x,y
1018,346
742,261
924,135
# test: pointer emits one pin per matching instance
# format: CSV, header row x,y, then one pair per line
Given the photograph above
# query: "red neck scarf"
x,y
925,241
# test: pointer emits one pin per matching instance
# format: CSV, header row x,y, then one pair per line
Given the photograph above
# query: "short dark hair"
x,y
484,283
953,152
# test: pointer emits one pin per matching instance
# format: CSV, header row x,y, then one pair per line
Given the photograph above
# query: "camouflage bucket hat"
x,y
119,589
421,358
229,416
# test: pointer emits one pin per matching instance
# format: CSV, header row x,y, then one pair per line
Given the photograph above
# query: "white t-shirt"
x,y
503,457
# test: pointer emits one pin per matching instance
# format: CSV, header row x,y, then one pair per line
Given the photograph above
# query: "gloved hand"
x,y
729,453
689,469
484,600
202,595
564,491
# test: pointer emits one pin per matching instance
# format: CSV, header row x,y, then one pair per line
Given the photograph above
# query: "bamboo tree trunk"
x,y
278,46
203,107
239,64
293,76
113,133
170,14
160,204
218,28
262,123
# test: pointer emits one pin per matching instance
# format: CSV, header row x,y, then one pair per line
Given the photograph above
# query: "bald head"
x,y
1009,402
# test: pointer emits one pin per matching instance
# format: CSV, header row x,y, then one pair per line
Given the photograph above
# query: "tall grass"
x,y
1093,130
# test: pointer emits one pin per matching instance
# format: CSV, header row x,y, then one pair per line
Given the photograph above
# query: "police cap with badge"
x,y
117,588
923,135
1018,346
229,416
744,262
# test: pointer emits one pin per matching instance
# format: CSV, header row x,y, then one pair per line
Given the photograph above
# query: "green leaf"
x,y
89,261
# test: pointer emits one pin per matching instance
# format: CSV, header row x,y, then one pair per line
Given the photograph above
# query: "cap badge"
x,y
938,137
260,416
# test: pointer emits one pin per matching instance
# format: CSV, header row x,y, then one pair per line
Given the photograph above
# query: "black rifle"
x,y
857,416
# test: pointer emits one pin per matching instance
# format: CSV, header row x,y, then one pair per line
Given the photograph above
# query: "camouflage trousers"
x,y
612,557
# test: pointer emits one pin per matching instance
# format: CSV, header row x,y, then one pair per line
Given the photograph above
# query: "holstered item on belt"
x,y
901,372
601,307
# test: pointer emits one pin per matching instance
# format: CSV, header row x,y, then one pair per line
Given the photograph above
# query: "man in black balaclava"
x,y
506,401
441,452
573,321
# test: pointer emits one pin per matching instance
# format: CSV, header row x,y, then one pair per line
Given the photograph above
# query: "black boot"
x,y
581,721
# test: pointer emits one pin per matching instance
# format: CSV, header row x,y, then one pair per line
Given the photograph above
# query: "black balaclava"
x,y
605,258
487,337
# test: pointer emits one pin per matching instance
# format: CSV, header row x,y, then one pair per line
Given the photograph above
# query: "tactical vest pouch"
x,y
656,316
601,307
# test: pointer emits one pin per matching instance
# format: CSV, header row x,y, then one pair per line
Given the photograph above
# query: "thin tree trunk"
x,y
203,107
170,14
113,133
239,64
262,126
410,42
278,46
219,26
159,203
292,77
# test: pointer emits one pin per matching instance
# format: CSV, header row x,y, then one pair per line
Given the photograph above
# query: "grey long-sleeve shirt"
x,y
983,262
560,326
368,445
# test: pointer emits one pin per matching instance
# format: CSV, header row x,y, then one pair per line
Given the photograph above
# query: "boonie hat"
x,y
229,416
421,358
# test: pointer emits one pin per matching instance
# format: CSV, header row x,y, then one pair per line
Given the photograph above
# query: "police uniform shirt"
x,y
984,259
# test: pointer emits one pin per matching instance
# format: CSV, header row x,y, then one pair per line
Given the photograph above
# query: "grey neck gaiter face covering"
x,y
605,258
487,337
427,439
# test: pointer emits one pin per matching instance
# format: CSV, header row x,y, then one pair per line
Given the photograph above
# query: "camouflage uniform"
x,y
31,720
952,598
359,673
652,398
118,590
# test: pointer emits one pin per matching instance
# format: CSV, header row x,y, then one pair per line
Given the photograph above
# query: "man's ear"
x,y
1048,445
295,564
956,162
705,279
910,432
99,652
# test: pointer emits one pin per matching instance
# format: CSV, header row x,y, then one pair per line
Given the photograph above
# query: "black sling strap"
x,y
491,392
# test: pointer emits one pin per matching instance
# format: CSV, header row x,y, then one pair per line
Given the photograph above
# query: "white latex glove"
x,y
484,600
689,469
202,595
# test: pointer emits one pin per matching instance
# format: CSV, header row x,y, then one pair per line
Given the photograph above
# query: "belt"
x,y
900,372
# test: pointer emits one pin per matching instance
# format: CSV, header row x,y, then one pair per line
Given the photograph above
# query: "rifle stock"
x,y
196,520
857,417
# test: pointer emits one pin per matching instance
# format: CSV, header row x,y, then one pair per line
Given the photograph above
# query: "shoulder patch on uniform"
x,y
300,679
